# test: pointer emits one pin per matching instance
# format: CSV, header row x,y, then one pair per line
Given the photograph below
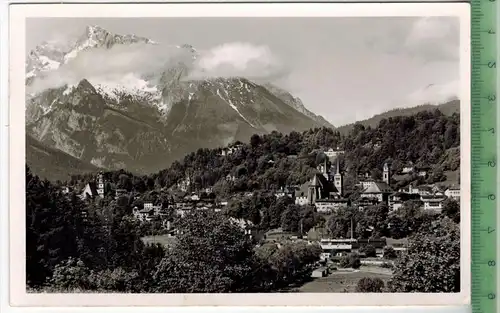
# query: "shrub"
x,y
368,284
70,274
390,253
352,260
369,251
115,280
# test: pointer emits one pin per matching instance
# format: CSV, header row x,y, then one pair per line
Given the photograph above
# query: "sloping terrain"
x,y
447,108
144,122
53,164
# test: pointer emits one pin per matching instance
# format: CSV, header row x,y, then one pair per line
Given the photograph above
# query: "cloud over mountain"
x,y
239,59
110,64
143,59
436,93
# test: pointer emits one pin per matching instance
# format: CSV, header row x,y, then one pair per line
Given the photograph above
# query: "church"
x,y
94,189
325,189
379,191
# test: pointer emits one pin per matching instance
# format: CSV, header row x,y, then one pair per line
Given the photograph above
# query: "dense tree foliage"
x,y
99,248
432,261
210,254
451,209
96,244
53,228
229,262
64,231
293,263
376,222
409,219
274,160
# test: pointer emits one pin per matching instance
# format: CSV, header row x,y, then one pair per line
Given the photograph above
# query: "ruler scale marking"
x,y
484,158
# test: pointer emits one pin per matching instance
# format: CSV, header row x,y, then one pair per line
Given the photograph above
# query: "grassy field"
x,y
343,281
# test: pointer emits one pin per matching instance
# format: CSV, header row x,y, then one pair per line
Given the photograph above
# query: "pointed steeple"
x,y
338,179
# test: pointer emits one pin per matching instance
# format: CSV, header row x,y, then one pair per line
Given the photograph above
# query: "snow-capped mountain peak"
x,y
141,102
50,55
45,57
162,88
97,37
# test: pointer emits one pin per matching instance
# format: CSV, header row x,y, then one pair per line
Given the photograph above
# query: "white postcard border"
x,y
17,20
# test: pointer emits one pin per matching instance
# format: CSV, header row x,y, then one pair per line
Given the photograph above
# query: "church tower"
x,y
312,193
386,176
338,179
323,168
100,185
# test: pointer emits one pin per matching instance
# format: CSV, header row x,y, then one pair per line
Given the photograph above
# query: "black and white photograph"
x,y
238,154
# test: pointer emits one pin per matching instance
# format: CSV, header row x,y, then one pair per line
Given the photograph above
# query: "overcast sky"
x,y
345,69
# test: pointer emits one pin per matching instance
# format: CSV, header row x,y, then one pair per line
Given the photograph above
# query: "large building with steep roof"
x,y
90,191
325,189
380,190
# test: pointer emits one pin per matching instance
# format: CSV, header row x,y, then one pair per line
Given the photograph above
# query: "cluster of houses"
x,y
150,211
325,190
421,171
340,247
180,208
226,151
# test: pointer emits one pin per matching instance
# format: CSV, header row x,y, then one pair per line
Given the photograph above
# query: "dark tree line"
x,y
76,245
376,221
61,227
98,244
270,161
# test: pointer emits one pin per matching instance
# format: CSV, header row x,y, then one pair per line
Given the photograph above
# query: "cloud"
x,y
434,39
139,60
111,65
428,39
239,59
435,93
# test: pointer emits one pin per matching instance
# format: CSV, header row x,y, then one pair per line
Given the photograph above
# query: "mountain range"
x,y
143,122
140,121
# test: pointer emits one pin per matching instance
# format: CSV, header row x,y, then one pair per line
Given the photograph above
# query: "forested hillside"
x,y
106,238
447,108
426,139
72,246
52,163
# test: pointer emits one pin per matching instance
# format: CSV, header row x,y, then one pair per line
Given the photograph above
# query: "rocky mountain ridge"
x,y
142,123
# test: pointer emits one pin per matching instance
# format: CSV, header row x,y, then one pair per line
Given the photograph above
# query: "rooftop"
x,y
378,187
